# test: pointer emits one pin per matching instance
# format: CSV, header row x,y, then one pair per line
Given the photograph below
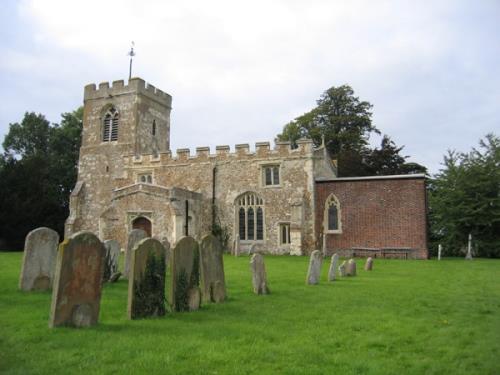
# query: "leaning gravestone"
x,y
259,279
369,264
314,271
134,236
76,295
212,270
333,267
111,260
342,269
184,273
146,284
351,268
39,259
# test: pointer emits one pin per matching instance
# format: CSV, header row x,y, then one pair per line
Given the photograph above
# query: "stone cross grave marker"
x,y
342,269
369,264
351,267
333,267
111,260
39,259
146,284
314,271
76,295
212,270
185,275
134,236
259,278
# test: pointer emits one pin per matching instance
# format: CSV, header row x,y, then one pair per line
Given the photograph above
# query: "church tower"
x,y
118,121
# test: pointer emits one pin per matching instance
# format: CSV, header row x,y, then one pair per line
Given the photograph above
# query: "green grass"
x,y
404,317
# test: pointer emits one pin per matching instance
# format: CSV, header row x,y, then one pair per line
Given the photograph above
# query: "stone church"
x,y
276,199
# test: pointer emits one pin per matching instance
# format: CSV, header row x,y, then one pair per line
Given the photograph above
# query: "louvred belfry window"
x,y
250,215
111,122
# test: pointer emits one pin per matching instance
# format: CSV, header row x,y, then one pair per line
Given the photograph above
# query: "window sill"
x,y
338,231
271,186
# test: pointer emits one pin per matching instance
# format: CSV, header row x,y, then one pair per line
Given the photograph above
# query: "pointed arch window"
x,y
332,215
250,215
110,128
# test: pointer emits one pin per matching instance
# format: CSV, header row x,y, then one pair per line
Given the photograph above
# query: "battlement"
x,y
241,151
135,86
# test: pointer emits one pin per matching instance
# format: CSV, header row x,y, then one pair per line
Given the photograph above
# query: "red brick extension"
x,y
377,213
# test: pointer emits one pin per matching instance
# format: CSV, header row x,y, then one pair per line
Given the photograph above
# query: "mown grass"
x,y
405,317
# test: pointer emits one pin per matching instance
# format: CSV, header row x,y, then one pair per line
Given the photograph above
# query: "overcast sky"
x,y
239,70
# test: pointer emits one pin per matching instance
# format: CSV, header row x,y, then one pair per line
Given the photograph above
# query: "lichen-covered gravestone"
x,y
146,284
76,295
333,267
369,264
259,278
39,260
314,271
134,236
342,269
351,267
212,270
111,260
185,275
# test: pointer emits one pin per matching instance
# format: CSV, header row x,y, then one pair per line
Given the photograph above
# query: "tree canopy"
x,y
345,124
37,172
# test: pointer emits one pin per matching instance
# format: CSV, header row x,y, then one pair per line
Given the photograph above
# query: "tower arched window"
x,y
110,128
332,217
250,215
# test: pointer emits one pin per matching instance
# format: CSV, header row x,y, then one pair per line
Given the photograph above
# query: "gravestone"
x,y
369,264
252,249
146,284
166,245
76,295
194,299
212,270
259,279
134,236
184,273
333,267
237,246
342,269
39,259
111,260
351,268
314,271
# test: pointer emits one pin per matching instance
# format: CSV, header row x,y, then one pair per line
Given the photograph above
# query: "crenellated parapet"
x,y
135,86
263,151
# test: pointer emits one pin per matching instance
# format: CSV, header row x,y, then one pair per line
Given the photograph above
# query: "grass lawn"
x,y
404,317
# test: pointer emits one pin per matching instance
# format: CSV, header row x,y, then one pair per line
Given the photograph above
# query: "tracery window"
x,y
250,214
332,222
145,178
271,175
110,128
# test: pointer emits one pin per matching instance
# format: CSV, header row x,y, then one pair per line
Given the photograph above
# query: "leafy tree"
x,y
37,173
345,124
465,198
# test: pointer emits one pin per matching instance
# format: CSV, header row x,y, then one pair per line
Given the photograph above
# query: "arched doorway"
x,y
142,223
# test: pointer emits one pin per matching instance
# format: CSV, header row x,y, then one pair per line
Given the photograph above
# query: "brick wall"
x,y
376,214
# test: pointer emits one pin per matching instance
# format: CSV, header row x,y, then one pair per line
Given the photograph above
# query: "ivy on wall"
x,y
149,291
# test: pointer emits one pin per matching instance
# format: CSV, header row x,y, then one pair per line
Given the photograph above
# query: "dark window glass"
x,y
276,175
251,224
153,130
260,224
333,218
269,177
242,223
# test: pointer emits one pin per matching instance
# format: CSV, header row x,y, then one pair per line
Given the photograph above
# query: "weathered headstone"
x,y
259,278
39,259
351,267
111,260
342,269
440,249
76,295
468,256
146,284
184,273
166,245
237,246
333,267
212,269
314,271
252,249
194,299
134,236
369,264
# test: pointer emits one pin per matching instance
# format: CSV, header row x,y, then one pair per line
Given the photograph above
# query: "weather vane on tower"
x,y
131,54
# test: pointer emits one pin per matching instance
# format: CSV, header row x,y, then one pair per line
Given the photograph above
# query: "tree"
x,y
345,124
37,173
465,198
